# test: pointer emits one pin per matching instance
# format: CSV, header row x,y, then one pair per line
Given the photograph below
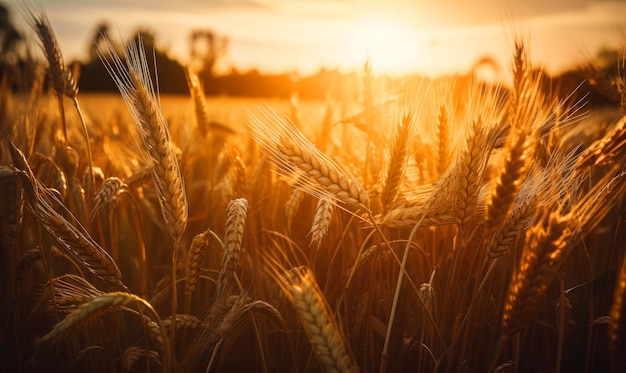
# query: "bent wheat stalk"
x,y
292,152
73,237
95,308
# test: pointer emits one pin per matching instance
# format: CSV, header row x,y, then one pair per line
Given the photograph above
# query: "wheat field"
x,y
431,226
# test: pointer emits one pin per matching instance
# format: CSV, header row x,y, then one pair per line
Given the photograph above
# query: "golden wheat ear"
x,y
294,154
543,254
199,101
237,212
324,334
132,78
397,161
197,250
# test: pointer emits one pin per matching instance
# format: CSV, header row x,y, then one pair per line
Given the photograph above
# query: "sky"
x,y
396,36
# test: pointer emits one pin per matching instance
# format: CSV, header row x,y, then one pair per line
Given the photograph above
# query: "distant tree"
x,y
100,35
170,73
605,74
12,46
206,48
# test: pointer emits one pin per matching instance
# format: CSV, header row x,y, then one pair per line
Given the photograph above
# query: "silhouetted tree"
x,y
206,48
100,35
11,41
170,73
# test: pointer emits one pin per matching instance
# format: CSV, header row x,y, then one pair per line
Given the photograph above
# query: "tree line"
x,y
18,69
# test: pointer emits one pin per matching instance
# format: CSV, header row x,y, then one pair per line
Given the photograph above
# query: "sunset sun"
x,y
389,45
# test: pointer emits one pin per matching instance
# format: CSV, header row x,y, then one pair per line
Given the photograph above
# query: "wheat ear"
x,y
443,140
60,77
318,323
198,248
396,165
291,206
184,321
199,101
607,149
86,312
63,81
469,169
321,220
138,178
237,211
237,171
543,254
133,353
105,194
508,182
133,81
291,152
504,237
428,216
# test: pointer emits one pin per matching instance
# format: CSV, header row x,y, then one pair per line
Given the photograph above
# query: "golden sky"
x,y
397,36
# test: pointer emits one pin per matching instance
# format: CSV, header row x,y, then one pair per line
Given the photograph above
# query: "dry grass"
x,y
428,226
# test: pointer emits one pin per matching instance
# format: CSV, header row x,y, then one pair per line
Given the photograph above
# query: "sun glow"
x,y
390,45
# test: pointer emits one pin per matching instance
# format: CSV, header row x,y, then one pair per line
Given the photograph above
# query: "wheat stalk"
x,y
617,323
